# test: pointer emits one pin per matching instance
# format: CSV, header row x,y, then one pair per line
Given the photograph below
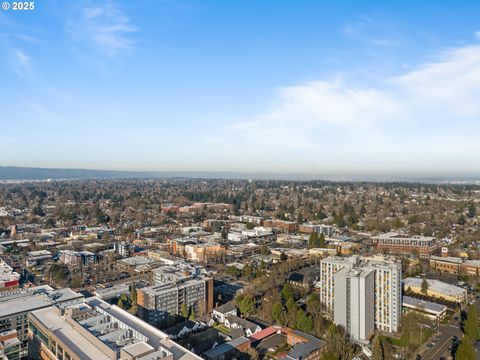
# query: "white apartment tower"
x,y
354,306
387,286
328,267
388,293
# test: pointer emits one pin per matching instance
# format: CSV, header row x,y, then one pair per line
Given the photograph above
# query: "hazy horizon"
x,y
299,87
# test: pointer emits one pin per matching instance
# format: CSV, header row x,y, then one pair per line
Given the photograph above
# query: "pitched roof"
x,y
225,308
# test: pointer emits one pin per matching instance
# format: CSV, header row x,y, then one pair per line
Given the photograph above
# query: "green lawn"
x,y
222,328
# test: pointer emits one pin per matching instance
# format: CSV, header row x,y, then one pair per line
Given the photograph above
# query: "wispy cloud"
x,y
22,64
428,113
477,35
365,28
105,25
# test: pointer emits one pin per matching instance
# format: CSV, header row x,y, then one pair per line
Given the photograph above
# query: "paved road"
x,y
441,348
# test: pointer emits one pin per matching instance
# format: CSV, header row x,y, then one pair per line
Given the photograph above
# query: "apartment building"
x,y
289,226
399,243
175,287
388,292
387,286
354,306
328,267
10,346
98,331
16,305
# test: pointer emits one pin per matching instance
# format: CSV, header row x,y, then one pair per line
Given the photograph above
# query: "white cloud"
x,y
22,64
107,26
424,118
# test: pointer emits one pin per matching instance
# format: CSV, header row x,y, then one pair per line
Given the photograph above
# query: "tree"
x,y
377,349
184,310
338,343
76,281
247,272
278,313
471,323
304,322
247,305
462,220
424,288
472,211
321,241
466,350
313,239
192,315
120,303
287,292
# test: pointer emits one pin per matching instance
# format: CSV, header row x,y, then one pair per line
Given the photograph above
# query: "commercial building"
x,y
446,263
425,308
9,279
404,244
15,306
354,306
388,275
112,292
471,267
175,287
98,331
436,289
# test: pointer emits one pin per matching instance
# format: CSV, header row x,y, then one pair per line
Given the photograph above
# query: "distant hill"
x,y
31,173
15,173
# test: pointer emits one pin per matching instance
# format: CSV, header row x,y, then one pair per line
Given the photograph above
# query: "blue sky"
x,y
340,87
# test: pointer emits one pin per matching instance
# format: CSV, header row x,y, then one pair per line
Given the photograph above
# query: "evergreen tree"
x,y
321,241
184,311
287,292
278,313
424,288
466,350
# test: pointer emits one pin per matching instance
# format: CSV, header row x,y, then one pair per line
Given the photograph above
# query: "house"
x,y
305,277
220,312
228,350
248,327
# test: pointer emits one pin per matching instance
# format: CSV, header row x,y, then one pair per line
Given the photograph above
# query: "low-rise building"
x,y
9,279
425,308
436,289
39,257
221,312
446,263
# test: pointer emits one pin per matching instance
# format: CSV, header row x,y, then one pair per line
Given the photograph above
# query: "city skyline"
x,y
271,87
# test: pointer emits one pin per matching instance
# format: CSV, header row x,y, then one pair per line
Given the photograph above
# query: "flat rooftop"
x,y
422,304
436,286
68,335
